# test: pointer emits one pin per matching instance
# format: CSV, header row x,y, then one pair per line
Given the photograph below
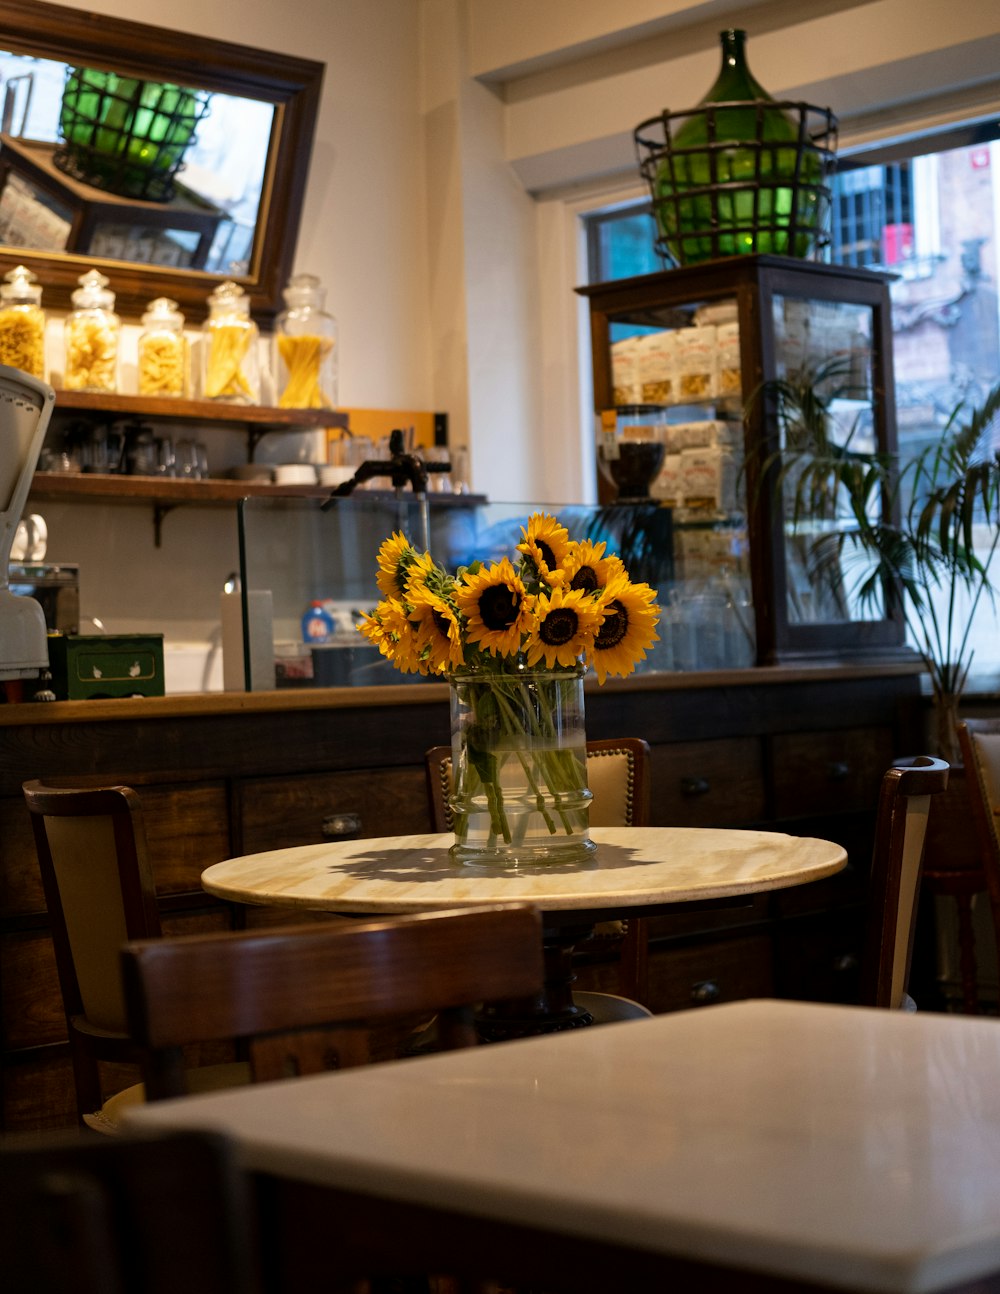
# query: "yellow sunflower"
x,y
438,630
389,628
628,628
565,623
545,545
588,568
496,607
395,558
419,573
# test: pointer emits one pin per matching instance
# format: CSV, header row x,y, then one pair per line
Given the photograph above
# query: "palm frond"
x,y
907,531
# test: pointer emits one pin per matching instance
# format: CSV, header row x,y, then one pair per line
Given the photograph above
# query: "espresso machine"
x,y
25,408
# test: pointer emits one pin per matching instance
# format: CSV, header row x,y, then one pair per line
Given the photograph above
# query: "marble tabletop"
x,y
852,1147
632,867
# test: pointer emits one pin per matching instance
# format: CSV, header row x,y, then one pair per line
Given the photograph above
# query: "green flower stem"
x,y
502,707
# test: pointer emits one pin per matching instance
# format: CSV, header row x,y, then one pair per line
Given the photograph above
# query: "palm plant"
x,y
895,534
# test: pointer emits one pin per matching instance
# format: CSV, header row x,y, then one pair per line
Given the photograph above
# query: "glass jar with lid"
x,y
22,322
305,347
92,334
162,350
230,365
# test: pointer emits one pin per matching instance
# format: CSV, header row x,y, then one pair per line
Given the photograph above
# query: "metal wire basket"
x,y
740,177
124,135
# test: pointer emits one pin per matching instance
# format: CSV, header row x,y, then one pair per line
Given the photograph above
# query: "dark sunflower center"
x,y
559,627
614,628
548,556
498,607
441,623
585,578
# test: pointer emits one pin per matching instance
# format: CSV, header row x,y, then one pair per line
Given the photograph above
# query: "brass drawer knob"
x,y
341,826
705,992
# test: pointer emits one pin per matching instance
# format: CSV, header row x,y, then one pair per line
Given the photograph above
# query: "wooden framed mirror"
x,y
241,225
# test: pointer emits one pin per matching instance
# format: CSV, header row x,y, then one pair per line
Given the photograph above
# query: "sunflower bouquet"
x,y
514,637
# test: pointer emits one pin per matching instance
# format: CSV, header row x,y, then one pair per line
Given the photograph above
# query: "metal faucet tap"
x,y
402,467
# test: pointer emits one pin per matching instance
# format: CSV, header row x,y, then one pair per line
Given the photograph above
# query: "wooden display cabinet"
x,y
792,315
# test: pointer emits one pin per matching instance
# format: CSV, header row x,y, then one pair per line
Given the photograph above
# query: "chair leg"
x,y
634,964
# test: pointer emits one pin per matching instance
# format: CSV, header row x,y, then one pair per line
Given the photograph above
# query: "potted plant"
x,y
885,533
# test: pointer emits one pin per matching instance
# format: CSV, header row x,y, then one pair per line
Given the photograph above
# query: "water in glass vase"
x,y
519,757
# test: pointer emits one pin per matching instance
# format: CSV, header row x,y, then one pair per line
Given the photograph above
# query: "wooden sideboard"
x,y
798,749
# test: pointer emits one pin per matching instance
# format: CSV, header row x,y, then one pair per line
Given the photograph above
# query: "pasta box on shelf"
x,y
86,666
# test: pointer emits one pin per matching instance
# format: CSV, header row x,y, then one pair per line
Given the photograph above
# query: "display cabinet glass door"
x,y
720,346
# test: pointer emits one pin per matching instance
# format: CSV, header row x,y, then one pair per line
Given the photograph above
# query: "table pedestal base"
x,y
553,1009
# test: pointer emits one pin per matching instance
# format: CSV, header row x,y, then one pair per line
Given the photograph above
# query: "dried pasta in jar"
x,y
305,340
92,332
303,358
22,322
22,339
163,350
229,369
91,355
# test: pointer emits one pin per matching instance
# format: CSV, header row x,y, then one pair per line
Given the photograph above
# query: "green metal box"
x,y
85,666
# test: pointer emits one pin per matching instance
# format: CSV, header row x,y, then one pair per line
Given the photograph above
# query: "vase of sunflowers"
x,y
514,638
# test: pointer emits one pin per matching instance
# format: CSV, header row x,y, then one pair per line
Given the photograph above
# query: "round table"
x,y
652,869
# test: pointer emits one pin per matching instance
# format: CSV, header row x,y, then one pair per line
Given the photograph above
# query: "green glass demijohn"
x,y
739,173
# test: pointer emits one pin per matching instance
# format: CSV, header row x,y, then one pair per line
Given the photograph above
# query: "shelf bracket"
x,y
254,436
160,510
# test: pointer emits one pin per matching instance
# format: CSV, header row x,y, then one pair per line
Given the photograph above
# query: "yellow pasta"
x,y
22,338
228,346
303,356
162,363
91,354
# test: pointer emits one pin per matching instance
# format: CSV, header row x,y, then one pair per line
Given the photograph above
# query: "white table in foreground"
x,y
849,1147
634,867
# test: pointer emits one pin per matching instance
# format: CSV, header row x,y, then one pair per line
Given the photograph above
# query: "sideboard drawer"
x,y
724,971
829,772
278,812
707,783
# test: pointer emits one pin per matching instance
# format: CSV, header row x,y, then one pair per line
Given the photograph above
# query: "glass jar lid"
x,y
20,285
229,298
93,292
162,312
304,291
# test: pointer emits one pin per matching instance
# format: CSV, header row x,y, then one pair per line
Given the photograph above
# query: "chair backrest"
x,y
109,1215
617,774
979,742
283,989
98,883
900,831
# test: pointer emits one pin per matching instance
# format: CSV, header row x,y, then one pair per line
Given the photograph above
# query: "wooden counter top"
x,y
204,704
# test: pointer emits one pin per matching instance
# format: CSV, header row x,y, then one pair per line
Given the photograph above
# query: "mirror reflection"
x,y
58,192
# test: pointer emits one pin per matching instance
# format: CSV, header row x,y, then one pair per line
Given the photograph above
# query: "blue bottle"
x,y
317,625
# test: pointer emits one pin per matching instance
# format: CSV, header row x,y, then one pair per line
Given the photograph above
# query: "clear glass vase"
x,y
519,768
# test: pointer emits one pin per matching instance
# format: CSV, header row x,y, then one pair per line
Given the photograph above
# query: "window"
x,y
873,215
926,210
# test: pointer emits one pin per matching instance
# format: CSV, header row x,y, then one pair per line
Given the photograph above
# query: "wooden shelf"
x,y
81,487
162,409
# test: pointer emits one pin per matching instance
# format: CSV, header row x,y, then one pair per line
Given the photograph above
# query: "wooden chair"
x,y
619,780
979,742
98,884
286,990
155,1214
900,829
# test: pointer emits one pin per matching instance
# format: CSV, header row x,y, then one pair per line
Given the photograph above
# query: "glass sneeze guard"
x,y
293,553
